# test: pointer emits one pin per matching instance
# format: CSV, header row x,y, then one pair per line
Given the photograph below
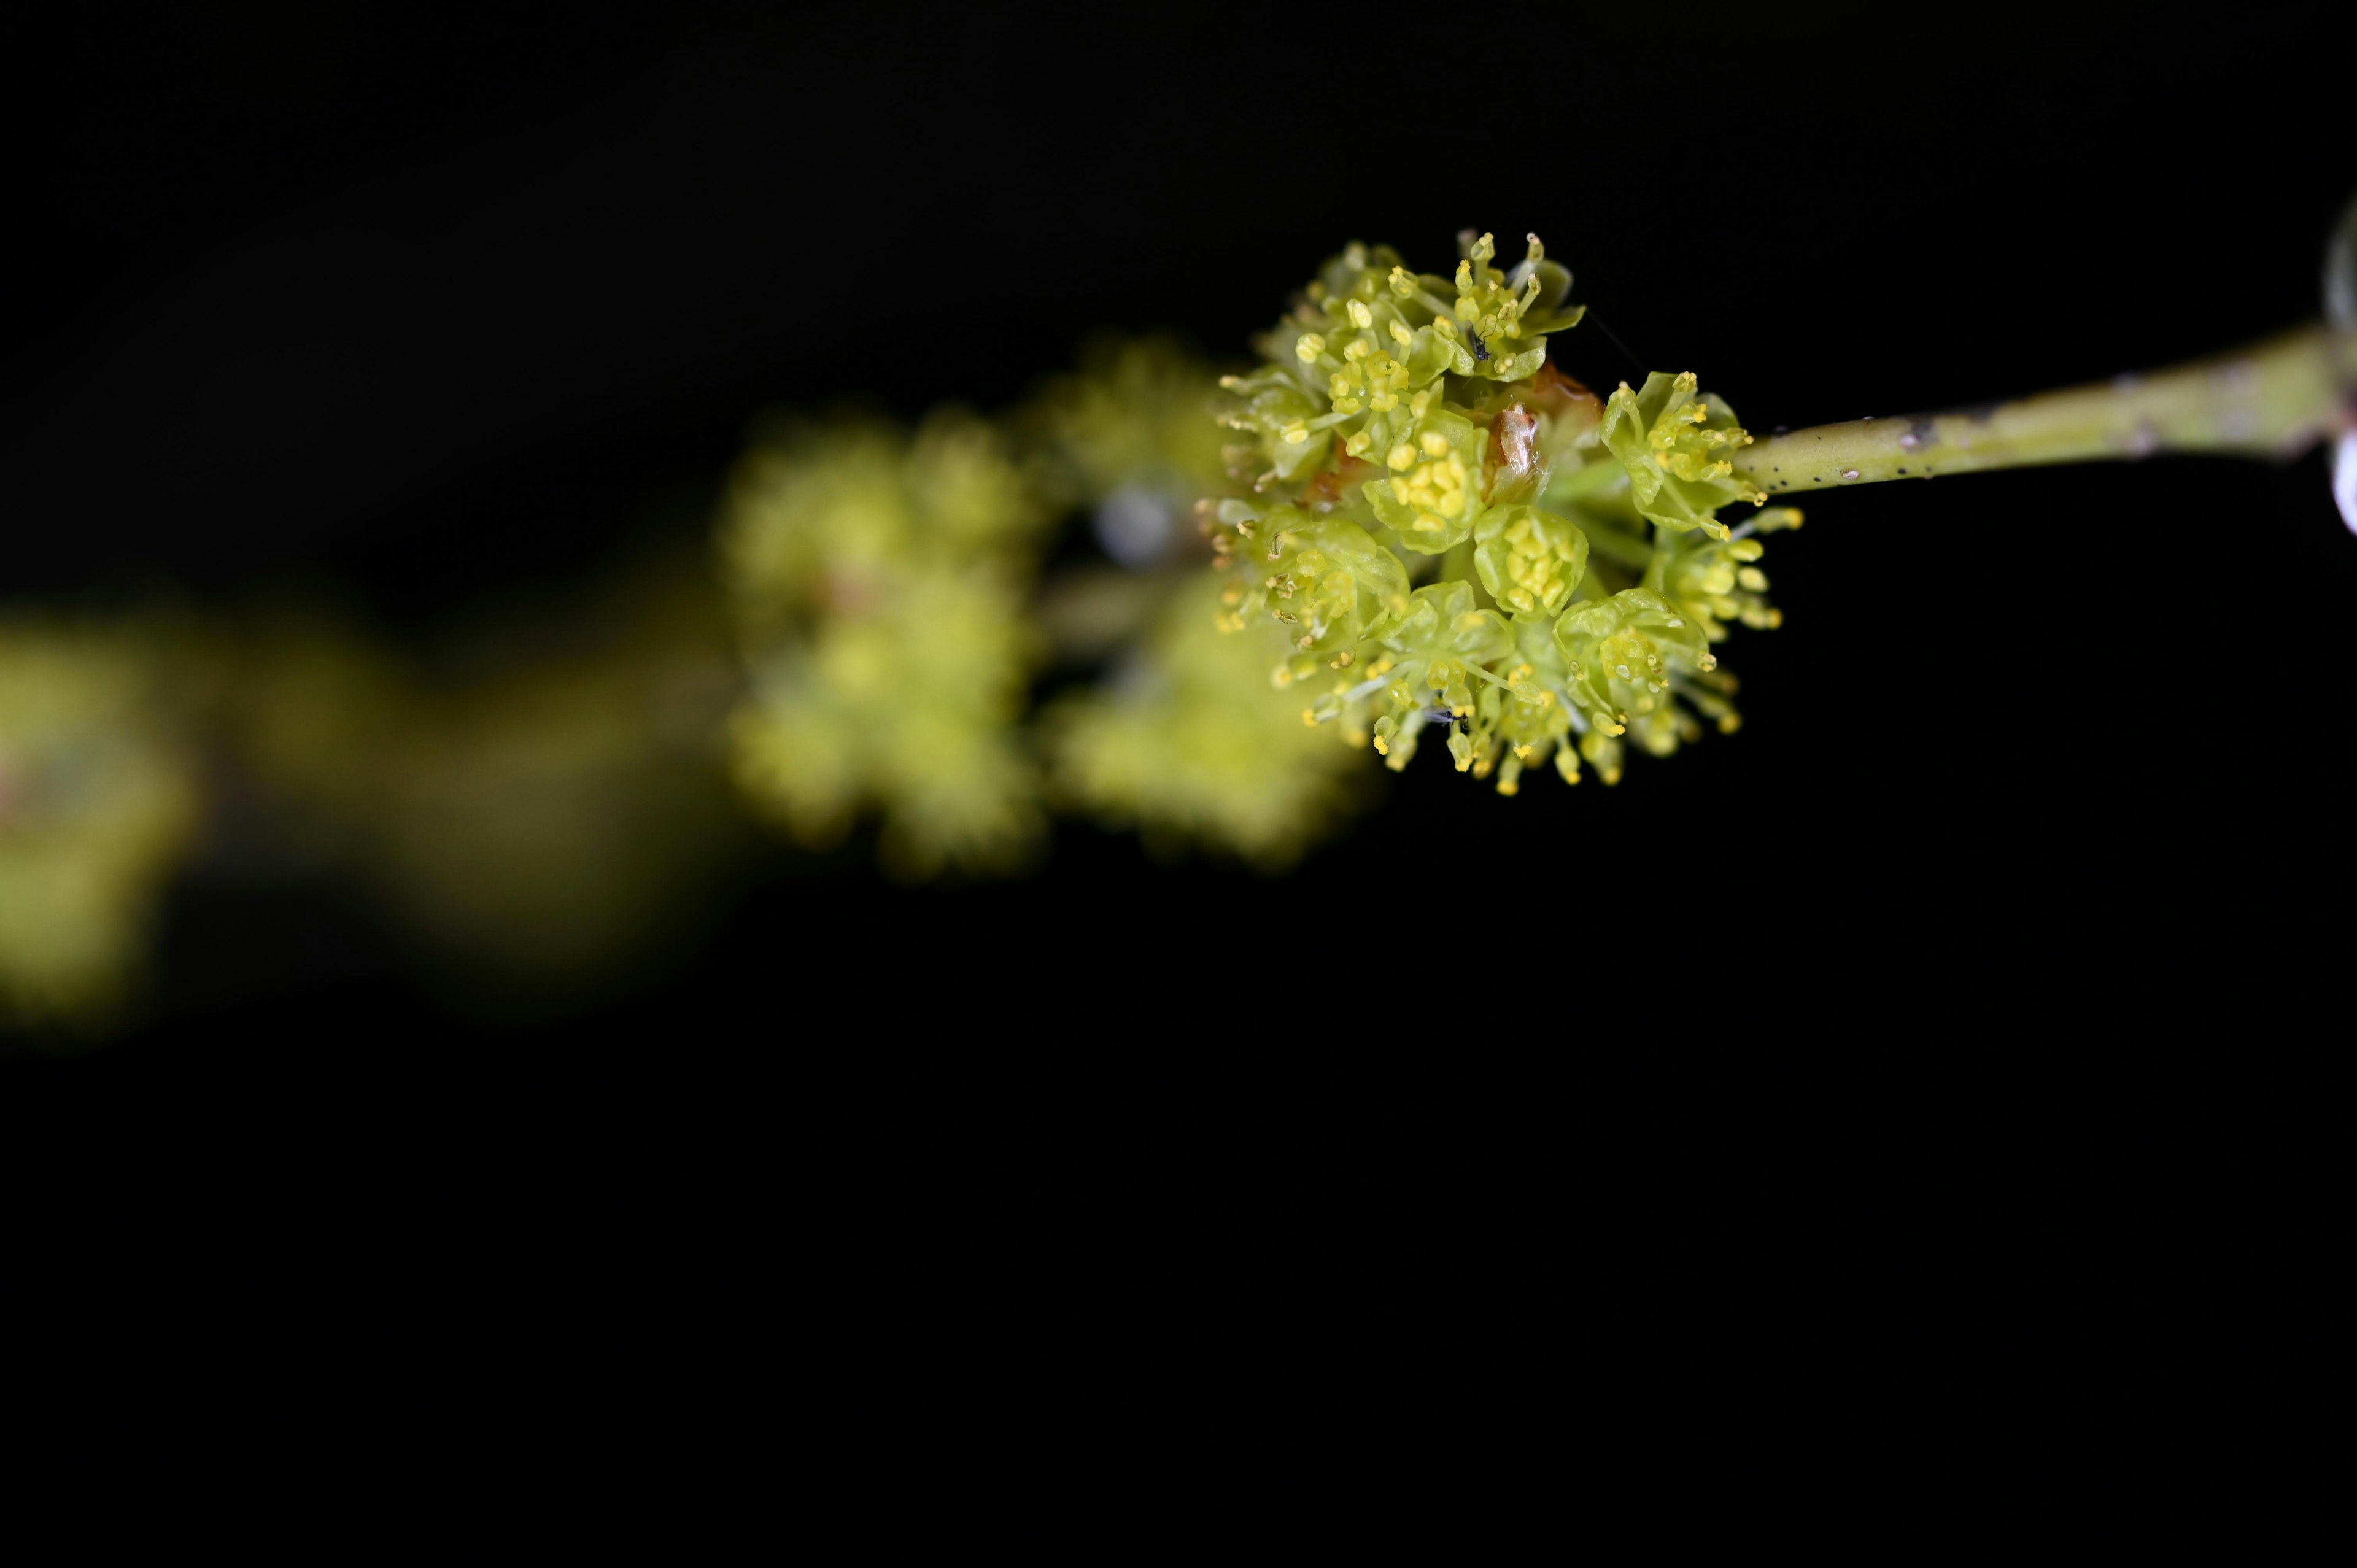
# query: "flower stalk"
x,y
2274,399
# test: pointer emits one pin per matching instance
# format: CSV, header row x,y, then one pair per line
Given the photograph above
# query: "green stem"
x,y
2273,399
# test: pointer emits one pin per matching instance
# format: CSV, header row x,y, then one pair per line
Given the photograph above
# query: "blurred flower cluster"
x,y
543,795
1181,737
896,624
878,582
98,800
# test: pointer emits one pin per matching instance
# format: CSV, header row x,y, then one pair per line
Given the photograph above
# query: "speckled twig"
x,y
2274,399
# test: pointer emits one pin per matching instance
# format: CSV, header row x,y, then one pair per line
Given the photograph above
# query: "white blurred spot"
x,y
1134,526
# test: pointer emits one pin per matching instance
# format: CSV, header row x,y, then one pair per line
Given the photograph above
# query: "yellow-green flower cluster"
x,y
97,805
878,585
1450,530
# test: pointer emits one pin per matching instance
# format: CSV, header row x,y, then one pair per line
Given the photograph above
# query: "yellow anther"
x,y
1296,434
1400,335
1309,717
1358,443
1402,456
1356,349
1359,315
1309,347
1434,442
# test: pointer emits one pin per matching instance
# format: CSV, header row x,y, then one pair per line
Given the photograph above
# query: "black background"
x,y
1989,984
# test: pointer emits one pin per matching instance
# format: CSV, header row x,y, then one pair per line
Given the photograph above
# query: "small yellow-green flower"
x,y
1717,581
1678,449
1623,654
